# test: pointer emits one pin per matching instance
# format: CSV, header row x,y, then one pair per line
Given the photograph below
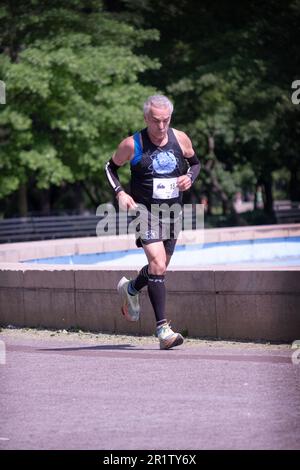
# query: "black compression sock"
x,y
157,295
142,279
161,323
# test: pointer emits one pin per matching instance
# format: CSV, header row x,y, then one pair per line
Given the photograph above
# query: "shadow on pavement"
x,y
115,347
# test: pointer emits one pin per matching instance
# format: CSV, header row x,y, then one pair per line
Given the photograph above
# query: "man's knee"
x,y
157,267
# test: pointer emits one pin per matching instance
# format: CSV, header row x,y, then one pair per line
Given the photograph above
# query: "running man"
x,y
163,165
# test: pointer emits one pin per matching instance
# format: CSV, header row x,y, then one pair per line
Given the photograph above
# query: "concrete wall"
x,y
216,301
206,303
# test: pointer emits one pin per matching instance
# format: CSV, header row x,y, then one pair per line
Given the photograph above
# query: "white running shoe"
x,y
167,337
130,303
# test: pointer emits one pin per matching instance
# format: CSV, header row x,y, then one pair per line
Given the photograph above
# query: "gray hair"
x,y
159,101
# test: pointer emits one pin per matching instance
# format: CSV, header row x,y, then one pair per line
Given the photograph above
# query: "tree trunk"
x,y
294,185
268,200
255,199
90,193
79,198
45,202
22,200
227,205
209,203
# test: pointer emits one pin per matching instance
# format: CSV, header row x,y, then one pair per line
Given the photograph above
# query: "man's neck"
x,y
158,142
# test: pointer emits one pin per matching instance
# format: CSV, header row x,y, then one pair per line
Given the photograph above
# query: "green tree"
x,y
72,81
229,67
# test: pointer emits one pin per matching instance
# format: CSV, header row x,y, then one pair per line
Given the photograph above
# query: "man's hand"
x,y
125,201
184,183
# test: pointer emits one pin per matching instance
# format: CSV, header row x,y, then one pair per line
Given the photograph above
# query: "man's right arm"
x,y
121,156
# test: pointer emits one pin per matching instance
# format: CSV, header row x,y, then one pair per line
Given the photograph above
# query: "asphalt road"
x,y
62,394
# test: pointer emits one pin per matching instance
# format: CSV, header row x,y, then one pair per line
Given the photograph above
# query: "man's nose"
x,y
161,125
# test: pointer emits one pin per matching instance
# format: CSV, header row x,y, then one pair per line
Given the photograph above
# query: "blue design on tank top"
x,y
164,162
138,150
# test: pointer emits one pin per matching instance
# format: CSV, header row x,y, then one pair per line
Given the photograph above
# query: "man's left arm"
x,y
184,182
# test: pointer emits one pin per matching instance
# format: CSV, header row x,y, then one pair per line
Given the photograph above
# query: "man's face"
x,y
158,120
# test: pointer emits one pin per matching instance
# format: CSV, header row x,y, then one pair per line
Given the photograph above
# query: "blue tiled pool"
x,y
268,251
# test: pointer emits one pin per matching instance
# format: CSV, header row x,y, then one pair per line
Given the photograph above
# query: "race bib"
x,y
165,188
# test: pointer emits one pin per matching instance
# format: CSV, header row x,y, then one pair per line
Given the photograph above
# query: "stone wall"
x,y
216,302
204,303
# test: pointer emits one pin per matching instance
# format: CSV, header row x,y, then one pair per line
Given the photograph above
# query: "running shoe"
x,y
130,303
167,337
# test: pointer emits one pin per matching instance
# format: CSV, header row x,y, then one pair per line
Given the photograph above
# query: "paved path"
x,y
59,394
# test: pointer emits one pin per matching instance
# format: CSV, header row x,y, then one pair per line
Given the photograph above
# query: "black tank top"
x,y
154,170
